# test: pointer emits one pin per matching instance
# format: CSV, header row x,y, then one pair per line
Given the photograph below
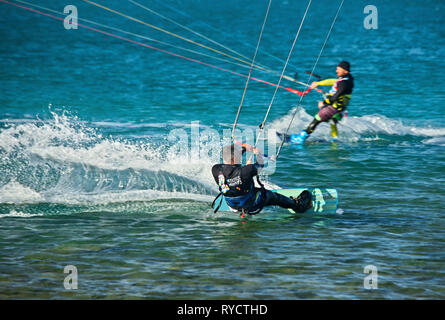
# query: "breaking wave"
x,y
62,160
364,128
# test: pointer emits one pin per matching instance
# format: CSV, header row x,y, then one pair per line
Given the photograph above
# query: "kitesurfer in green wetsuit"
x,y
333,106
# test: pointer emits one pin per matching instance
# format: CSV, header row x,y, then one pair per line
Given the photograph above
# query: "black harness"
x,y
243,210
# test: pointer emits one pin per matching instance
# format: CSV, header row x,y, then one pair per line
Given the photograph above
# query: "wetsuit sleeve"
x,y
342,87
215,171
327,82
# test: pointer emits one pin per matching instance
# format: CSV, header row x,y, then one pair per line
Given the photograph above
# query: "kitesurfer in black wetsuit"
x,y
236,183
335,103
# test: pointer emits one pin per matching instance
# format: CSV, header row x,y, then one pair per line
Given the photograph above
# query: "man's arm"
x,y
259,164
327,82
215,171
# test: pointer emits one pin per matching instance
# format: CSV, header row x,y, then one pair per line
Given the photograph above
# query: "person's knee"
x,y
337,117
270,198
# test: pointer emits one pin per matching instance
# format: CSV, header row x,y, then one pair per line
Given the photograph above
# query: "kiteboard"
x,y
286,138
323,200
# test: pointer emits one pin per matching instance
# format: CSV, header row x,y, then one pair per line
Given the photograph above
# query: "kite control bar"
x,y
247,147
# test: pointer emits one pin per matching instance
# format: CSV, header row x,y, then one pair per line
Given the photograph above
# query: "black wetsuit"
x,y
237,185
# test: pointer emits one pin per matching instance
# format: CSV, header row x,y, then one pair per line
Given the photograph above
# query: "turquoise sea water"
x,y
106,148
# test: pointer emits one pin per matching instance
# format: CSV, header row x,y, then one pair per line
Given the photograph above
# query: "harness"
x,y
240,202
343,100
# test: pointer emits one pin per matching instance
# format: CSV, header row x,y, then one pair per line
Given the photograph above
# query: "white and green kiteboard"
x,y
323,200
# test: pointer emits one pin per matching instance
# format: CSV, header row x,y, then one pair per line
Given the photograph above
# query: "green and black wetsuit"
x,y
336,102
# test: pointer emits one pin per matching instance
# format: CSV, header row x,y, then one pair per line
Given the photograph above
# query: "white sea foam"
x,y
18,214
14,192
436,141
126,196
64,161
354,128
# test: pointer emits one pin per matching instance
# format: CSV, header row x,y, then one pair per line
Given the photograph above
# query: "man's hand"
x,y
259,156
314,85
320,104
249,148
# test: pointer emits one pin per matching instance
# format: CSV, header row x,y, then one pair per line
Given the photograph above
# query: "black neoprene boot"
x,y
303,202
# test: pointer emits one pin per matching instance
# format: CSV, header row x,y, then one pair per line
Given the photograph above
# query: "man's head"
x,y
343,68
232,154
